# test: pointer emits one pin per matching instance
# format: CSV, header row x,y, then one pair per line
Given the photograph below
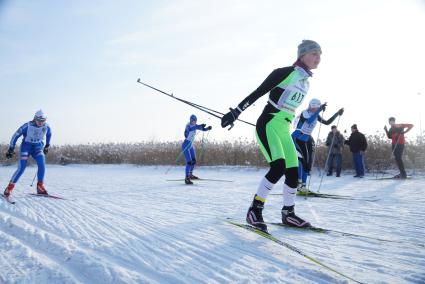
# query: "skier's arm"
x,y
48,136
21,130
330,120
408,126
203,127
269,83
387,132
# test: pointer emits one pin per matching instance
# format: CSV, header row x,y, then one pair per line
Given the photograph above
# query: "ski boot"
x,y
187,181
8,189
41,189
193,177
400,176
302,188
289,218
254,216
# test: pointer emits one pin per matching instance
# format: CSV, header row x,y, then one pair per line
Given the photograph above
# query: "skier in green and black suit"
x,y
288,87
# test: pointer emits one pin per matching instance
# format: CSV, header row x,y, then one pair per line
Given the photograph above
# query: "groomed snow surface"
x,y
128,224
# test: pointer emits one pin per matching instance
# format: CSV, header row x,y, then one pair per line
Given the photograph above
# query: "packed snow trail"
x,y
127,224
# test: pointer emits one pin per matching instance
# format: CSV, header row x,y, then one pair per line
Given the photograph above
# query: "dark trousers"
x,y
358,163
338,160
398,155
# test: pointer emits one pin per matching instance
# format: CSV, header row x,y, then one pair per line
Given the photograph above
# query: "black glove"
x,y
341,111
230,117
203,125
323,106
208,128
10,153
46,149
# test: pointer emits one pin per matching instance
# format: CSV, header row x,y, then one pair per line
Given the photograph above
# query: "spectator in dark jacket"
x,y
358,145
335,142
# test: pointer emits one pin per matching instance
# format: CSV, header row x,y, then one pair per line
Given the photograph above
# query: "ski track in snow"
x,y
127,224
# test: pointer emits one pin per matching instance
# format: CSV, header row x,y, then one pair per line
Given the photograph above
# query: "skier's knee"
x,y
193,162
291,179
277,170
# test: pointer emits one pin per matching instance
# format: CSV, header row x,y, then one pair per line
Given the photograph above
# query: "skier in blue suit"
x,y
187,146
33,133
304,142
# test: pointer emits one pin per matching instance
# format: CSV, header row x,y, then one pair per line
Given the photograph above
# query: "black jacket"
x,y
357,142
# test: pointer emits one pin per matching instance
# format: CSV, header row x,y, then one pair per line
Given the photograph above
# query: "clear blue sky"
x,y
79,62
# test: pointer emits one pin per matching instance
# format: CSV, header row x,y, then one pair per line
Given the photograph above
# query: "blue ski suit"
x,y
32,145
187,146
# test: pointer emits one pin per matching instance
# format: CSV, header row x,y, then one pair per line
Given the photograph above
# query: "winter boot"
x,y
254,216
193,177
289,218
187,181
8,189
40,188
302,187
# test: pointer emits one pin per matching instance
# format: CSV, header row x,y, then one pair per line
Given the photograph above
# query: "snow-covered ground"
x,y
127,224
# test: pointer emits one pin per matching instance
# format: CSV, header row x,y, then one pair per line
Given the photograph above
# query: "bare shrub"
x,y
241,152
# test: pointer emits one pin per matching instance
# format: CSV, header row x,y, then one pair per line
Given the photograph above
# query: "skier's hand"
x,y
323,106
208,128
229,118
203,125
46,149
10,153
341,111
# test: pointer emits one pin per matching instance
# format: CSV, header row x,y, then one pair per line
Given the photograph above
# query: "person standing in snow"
x,y
335,142
187,147
396,134
358,145
33,133
304,142
288,87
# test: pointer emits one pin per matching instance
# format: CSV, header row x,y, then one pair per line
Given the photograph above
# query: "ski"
x,y
202,179
390,178
289,246
341,233
47,196
332,196
8,199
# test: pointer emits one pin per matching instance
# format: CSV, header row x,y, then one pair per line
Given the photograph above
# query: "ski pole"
x,y
314,158
201,155
210,111
181,152
33,179
329,154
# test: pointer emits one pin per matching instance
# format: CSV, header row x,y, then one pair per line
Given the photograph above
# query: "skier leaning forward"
x,y
304,142
33,133
287,86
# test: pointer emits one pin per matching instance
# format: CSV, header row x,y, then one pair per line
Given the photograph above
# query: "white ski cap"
x,y
40,116
314,103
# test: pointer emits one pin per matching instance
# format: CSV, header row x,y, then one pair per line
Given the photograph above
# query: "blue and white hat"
x,y
307,46
40,116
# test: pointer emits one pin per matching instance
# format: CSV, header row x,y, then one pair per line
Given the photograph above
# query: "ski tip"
x,y
8,199
138,80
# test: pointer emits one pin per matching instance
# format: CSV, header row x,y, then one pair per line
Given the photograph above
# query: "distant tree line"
x,y
214,153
